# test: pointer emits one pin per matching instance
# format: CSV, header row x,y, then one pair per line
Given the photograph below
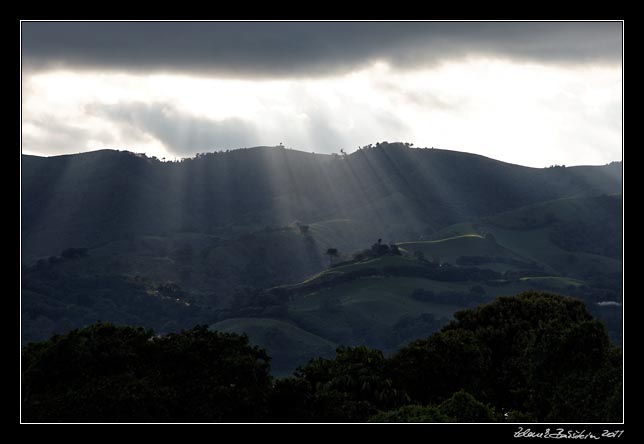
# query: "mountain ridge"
x,y
271,147
89,198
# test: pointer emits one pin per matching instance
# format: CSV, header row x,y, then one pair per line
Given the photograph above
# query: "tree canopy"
x,y
532,357
534,353
105,373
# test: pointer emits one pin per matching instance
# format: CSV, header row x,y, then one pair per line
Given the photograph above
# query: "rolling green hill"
x,y
385,301
451,248
289,343
376,301
575,237
237,240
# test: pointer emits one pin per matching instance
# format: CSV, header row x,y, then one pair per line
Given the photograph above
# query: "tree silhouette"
x,y
535,353
331,252
105,373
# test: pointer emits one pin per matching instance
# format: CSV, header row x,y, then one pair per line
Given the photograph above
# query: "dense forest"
x,y
532,357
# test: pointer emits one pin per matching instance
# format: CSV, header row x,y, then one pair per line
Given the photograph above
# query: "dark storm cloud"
x,y
266,49
181,133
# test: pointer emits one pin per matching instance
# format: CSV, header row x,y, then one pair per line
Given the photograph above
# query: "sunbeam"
x,y
248,221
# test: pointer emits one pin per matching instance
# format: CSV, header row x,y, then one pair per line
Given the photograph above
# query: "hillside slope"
x,y
240,238
87,199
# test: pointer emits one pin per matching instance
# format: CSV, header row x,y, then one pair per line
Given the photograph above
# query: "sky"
x,y
530,93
